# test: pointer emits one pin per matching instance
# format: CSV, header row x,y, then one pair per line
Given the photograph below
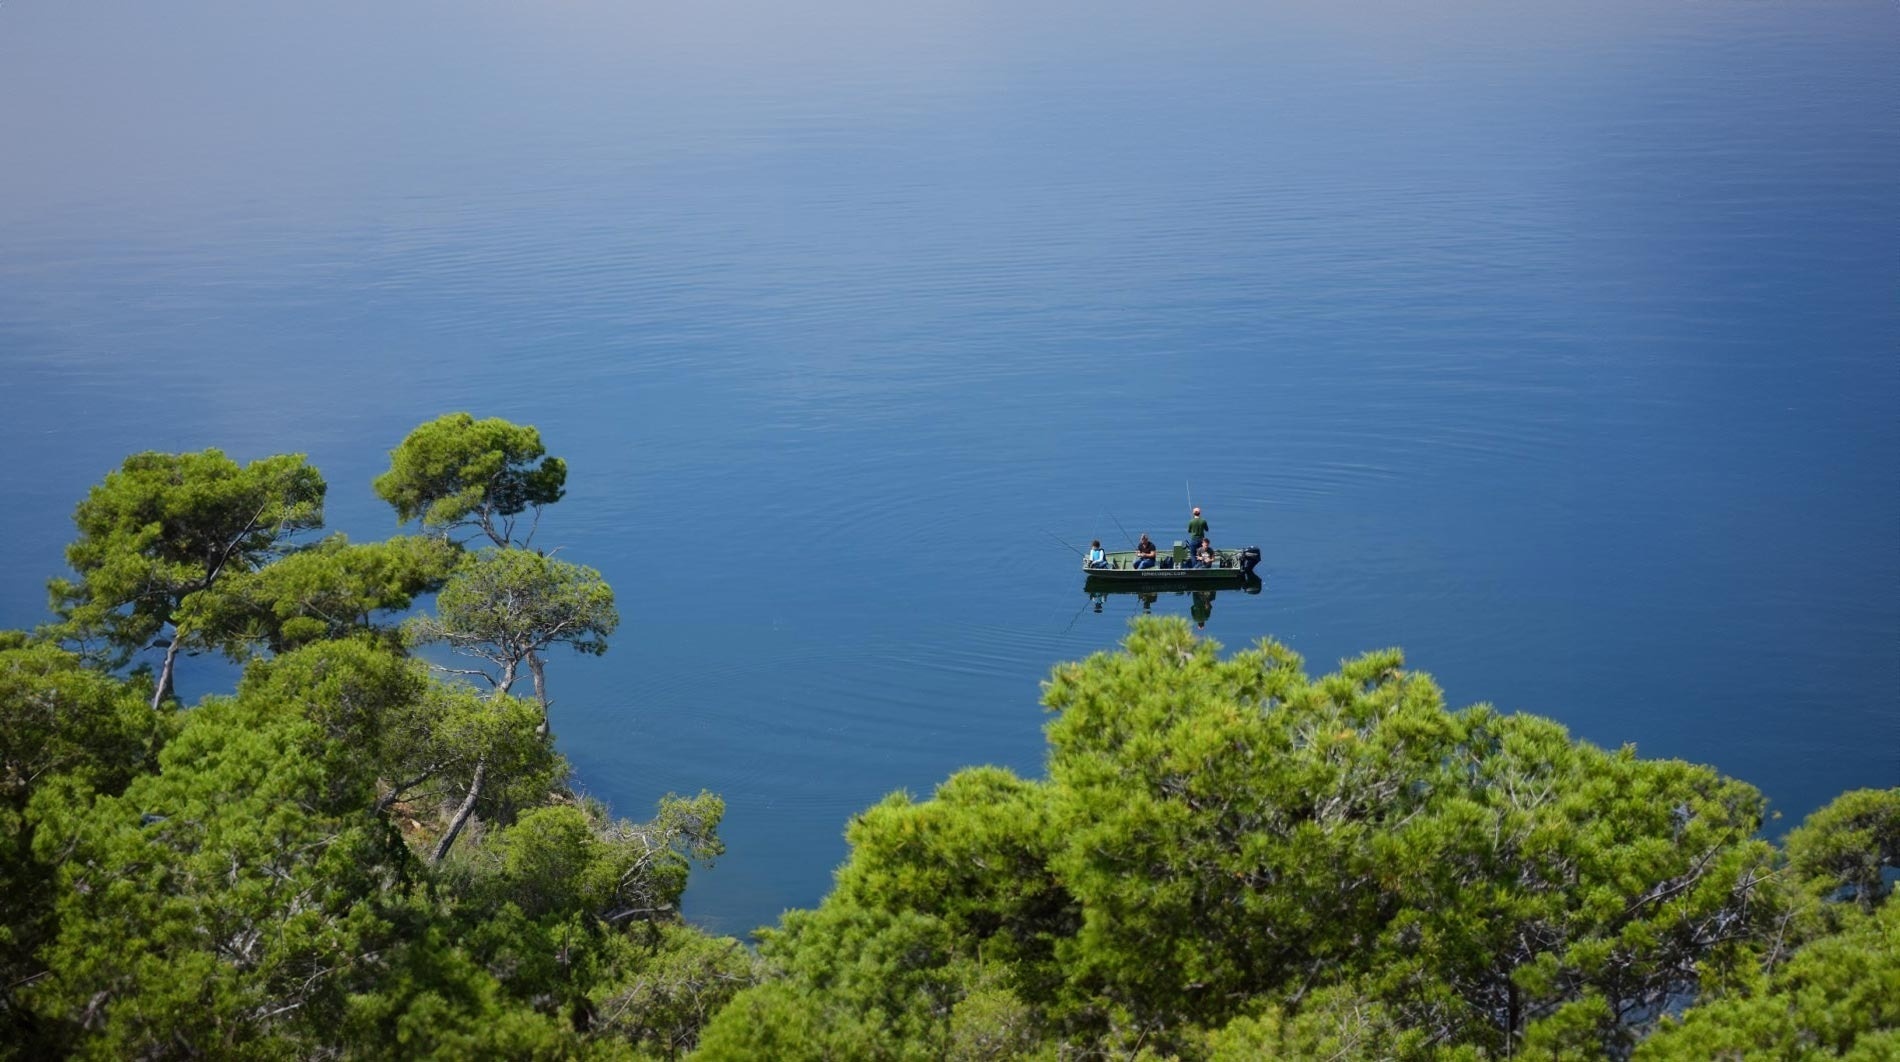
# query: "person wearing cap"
x,y
1197,530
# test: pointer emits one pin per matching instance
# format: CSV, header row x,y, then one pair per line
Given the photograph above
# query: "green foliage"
x,y
502,605
776,1021
974,856
419,738
657,993
436,748
1235,829
217,906
59,719
575,859
1572,1031
1338,1022
60,726
165,525
857,983
1848,846
239,880
1838,997
165,528
244,901
1220,835
989,1023
437,995
545,904
331,589
549,863
352,691
456,471
507,606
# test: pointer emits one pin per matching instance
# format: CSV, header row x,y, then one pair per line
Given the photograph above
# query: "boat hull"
x,y
1121,571
1158,576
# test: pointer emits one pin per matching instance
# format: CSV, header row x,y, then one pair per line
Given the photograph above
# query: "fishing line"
x,y
1065,545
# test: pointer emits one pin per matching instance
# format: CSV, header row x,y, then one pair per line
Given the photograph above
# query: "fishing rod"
x,y
1065,545
1124,531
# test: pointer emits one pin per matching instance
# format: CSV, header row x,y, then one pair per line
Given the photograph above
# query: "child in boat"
x,y
1097,558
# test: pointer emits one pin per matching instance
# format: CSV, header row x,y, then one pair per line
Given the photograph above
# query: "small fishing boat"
x,y
1231,567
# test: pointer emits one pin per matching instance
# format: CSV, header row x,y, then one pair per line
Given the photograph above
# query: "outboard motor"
x,y
1249,558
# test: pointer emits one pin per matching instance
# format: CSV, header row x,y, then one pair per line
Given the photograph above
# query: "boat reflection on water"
x,y
1200,598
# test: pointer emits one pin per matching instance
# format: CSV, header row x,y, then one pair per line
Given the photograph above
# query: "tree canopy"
x,y
506,606
327,590
61,725
1838,997
456,471
1229,859
268,873
166,528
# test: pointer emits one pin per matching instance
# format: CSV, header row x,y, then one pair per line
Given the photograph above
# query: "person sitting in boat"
x,y
1144,552
1204,557
1097,558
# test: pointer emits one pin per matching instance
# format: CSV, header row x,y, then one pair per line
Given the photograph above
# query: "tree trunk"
x,y
1512,1020
462,813
487,524
165,674
538,670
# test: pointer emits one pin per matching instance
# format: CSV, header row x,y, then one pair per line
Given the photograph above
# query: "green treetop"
x,y
456,471
505,607
1229,840
1850,847
165,528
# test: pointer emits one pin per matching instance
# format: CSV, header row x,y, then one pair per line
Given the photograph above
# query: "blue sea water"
x,y
1555,343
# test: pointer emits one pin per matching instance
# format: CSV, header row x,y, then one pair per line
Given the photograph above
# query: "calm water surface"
x,y
1556,345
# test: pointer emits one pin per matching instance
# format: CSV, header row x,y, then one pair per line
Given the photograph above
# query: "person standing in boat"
x,y
1197,531
1144,552
1097,558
